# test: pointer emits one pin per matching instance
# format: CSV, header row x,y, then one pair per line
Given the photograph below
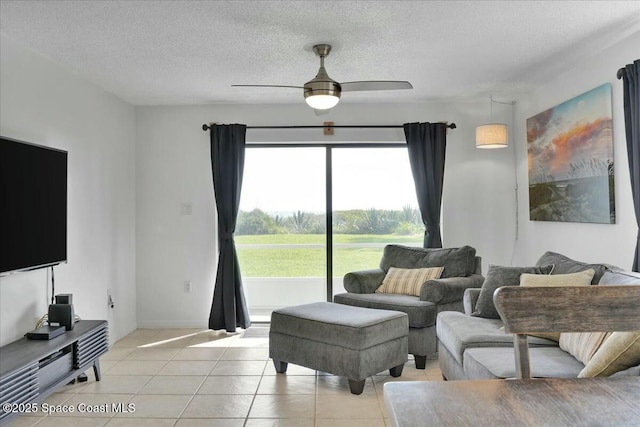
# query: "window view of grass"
x,y
294,246
287,261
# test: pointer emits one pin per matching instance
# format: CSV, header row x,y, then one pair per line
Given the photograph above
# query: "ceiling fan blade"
x,y
293,87
375,85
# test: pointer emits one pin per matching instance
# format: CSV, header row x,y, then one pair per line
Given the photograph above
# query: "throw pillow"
x,y
407,281
582,278
582,345
457,262
619,352
565,265
498,276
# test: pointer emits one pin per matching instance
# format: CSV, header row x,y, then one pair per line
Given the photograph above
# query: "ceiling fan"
x,y
323,93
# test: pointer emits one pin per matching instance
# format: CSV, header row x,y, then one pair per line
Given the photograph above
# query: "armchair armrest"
x,y
470,299
364,281
450,289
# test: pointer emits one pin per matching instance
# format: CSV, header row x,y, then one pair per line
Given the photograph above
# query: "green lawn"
x,y
320,238
310,262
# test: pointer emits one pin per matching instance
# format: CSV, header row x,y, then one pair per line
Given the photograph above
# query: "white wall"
x,y
173,167
479,194
589,242
41,102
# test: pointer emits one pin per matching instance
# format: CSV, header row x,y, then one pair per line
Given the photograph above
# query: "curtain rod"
x,y
619,73
206,127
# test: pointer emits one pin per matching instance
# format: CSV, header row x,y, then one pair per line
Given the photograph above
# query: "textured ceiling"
x,y
190,52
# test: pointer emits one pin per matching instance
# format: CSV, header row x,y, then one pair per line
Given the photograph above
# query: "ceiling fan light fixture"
x,y
323,93
321,101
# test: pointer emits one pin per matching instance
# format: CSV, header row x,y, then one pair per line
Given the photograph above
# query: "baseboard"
x,y
196,324
173,324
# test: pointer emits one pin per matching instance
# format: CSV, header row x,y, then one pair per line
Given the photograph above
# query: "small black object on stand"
x,y
45,333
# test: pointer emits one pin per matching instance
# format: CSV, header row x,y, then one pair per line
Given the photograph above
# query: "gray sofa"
x,y
462,270
476,348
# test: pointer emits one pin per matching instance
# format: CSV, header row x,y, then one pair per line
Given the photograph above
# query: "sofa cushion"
x,y
421,313
620,351
457,262
633,371
545,362
563,265
498,276
458,332
611,277
407,281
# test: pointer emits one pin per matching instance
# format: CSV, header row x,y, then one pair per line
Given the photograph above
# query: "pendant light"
x,y
491,135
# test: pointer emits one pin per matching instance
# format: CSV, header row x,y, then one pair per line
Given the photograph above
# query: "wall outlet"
x,y
110,303
187,286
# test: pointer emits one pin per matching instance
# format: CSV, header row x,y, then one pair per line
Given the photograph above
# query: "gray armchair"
x,y
462,270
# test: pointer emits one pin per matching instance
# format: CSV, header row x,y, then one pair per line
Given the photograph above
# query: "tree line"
x,y
355,221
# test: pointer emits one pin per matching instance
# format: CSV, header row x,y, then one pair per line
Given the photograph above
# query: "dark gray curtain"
x,y
229,308
427,143
631,88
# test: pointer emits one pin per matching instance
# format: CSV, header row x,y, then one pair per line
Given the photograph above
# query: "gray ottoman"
x,y
352,342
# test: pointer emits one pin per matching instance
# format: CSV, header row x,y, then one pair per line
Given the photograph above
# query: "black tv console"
x,y
30,370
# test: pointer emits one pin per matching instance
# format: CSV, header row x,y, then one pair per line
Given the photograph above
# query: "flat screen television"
x,y
33,206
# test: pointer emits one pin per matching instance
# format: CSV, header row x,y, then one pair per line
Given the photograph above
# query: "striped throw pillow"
x,y
408,281
620,351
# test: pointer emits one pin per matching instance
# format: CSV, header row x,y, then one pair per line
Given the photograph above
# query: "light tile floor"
x,y
190,377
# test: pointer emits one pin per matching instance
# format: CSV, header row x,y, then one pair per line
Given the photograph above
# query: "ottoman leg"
x,y
281,367
356,386
421,361
396,371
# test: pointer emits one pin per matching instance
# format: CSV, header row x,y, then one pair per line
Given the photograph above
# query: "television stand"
x,y
30,370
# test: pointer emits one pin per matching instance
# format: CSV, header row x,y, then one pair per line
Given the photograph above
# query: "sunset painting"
x,y
570,155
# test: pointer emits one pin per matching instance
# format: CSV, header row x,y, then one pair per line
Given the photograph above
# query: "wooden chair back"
x,y
525,310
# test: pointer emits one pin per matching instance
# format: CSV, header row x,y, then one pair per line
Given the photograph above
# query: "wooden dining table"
x,y
536,402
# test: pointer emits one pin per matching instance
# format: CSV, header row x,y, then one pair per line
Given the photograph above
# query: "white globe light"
x,y
322,102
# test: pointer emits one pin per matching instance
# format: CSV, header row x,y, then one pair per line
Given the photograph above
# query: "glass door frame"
x,y
328,188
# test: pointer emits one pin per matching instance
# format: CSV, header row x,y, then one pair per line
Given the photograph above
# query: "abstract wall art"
x,y
570,156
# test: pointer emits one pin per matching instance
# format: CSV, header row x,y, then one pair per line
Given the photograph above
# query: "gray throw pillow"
x,y
498,276
565,265
457,262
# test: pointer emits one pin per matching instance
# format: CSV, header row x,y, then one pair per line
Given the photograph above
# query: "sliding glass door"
x,y
374,204
285,248
280,233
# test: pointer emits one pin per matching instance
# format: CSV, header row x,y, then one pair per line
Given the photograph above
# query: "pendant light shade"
x,y
493,135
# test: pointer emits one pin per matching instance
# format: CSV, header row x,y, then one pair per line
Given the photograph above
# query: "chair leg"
x,y
356,386
281,367
421,361
396,371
